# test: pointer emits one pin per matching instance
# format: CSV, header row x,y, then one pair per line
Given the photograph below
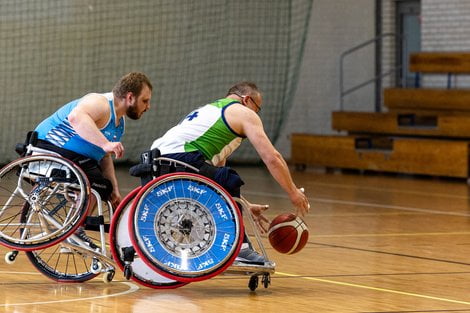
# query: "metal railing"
x,y
375,79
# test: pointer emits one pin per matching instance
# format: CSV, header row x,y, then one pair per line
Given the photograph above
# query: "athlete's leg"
x,y
232,182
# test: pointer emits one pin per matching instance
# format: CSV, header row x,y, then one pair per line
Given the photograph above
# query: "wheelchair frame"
x,y
45,253
235,267
147,271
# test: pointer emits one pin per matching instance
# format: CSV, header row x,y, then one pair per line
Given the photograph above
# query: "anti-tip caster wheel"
x,y
266,280
96,266
253,283
108,276
127,271
10,257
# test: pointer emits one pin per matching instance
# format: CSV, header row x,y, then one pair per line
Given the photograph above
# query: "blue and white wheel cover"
x,y
186,226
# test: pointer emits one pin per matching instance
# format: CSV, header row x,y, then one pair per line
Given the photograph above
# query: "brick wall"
x,y
445,27
388,44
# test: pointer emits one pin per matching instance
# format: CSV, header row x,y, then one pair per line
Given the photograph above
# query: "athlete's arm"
x,y
221,163
107,166
88,116
252,128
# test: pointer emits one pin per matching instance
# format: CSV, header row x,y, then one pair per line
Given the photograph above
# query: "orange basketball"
x,y
288,233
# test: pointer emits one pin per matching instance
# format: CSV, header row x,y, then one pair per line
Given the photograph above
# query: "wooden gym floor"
x,y
378,243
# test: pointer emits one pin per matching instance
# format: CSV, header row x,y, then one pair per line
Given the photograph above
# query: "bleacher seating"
x,y
425,130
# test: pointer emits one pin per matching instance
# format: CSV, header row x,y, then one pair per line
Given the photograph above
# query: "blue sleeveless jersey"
x,y
57,130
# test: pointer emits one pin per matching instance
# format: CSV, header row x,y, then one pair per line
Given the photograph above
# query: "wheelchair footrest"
x,y
245,268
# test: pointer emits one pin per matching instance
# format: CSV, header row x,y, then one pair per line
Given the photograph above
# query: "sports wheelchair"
x,y
177,228
182,226
44,199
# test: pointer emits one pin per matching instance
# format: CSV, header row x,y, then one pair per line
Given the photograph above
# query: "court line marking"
x,y
389,253
404,293
382,206
368,214
132,288
395,234
25,273
332,276
414,192
366,204
345,186
393,207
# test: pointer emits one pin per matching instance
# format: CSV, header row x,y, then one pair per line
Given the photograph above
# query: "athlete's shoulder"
x,y
94,98
238,110
239,118
95,102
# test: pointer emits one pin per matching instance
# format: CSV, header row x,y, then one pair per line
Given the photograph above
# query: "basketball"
x,y
288,233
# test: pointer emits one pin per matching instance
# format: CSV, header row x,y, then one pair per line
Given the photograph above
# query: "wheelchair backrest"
x,y
153,165
43,168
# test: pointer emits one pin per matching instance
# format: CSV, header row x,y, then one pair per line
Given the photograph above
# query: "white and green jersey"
x,y
205,130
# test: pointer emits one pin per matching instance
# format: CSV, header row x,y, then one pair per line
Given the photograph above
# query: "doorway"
x,y
408,29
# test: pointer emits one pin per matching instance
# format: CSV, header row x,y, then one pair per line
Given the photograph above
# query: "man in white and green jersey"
x,y
212,132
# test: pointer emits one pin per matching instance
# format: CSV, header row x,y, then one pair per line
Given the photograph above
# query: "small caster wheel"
x,y
253,283
96,266
108,276
266,280
10,257
127,271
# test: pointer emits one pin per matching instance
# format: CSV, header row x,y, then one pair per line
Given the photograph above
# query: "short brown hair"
x,y
131,82
244,88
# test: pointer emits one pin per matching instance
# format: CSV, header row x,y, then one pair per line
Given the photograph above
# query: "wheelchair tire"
x,y
138,270
186,227
43,199
65,264
70,267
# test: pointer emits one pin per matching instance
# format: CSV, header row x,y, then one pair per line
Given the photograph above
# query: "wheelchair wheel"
x,y
186,227
43,199
119,240
68,266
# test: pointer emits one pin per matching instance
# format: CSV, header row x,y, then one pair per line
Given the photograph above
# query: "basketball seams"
x,y
296,244
301,224
283,224
290,233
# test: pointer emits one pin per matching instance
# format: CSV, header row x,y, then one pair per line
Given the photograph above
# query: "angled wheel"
x,y
63,263
119,238
62,266
43,199
186,227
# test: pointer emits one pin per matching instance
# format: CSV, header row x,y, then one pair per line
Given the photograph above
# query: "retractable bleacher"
x,y
425,130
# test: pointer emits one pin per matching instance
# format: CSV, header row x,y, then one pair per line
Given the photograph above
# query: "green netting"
x,y
53,51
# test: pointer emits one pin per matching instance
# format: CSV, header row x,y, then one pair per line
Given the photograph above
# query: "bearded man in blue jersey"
x,y
88,130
